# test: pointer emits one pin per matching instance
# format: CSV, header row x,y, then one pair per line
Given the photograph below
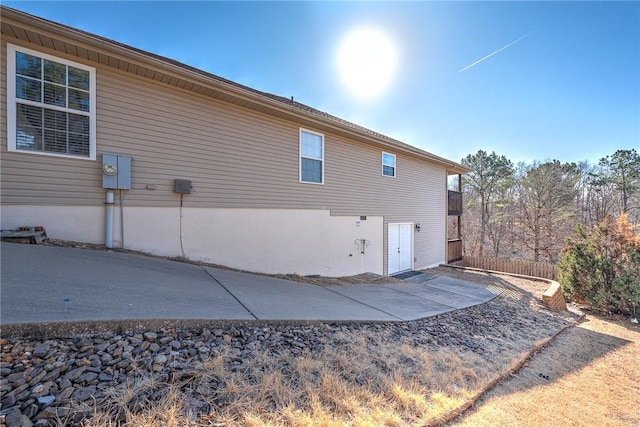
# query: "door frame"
x,y
411,237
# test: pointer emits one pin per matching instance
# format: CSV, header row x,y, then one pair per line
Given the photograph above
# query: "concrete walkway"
x,y
41,284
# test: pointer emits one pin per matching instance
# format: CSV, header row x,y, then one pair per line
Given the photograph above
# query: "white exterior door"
x,y
400,247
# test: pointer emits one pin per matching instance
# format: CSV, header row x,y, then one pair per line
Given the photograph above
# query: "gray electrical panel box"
x,y
182,186
116,171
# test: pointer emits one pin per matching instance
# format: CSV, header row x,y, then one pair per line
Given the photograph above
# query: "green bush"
x,y
628,284
600,266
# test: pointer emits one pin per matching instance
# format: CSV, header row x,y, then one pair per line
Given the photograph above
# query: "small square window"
x,y
388,164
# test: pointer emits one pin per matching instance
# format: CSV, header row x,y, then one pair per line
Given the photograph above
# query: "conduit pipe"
x,y
108,235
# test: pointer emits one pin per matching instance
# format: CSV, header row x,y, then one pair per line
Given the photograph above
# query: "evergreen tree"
x,y
485,187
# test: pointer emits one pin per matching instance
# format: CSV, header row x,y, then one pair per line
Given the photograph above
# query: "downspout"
x,y
121,221
108,236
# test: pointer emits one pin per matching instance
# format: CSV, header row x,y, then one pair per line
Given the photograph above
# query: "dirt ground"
x,y
588,376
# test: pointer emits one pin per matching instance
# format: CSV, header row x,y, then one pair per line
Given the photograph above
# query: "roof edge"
x,y
249,94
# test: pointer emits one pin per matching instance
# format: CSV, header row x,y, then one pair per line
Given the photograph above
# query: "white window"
x,y
50,105
311,157
388,164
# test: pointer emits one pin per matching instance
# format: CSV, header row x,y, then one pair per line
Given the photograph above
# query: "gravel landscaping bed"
x,y
63,381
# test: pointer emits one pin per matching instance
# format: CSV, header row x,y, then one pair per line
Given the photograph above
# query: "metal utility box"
x,y
182,186
116,171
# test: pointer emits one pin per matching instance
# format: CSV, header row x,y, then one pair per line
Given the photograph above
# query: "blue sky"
x,y
569,90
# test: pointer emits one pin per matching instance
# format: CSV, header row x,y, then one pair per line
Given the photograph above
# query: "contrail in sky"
x,y
497,51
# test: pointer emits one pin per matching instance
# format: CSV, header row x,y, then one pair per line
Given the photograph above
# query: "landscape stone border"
x,y
82,329
552,297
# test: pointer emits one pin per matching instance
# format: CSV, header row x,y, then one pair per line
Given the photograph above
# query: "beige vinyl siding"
x,y
236,158
41,179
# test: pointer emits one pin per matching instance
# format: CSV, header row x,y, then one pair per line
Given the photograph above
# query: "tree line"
x,y
527,211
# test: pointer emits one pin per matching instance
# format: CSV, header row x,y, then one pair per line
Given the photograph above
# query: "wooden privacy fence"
x,y
454,250
527,268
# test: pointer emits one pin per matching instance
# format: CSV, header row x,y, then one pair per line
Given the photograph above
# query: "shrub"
x,y
600,265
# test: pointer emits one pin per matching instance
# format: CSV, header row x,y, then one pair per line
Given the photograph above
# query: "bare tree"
x,y
602,200
546,207
528,211
501,222
596,198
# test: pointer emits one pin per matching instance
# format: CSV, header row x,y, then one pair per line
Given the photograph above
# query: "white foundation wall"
x,y
78,223
260,240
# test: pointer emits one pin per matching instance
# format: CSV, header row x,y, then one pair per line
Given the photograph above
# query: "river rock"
x,y
42,350
83,393
13,418
150,336
46,400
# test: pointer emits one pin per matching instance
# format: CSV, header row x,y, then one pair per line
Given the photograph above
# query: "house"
x,y
105,143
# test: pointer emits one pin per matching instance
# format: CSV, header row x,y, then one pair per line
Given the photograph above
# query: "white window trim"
x,y
11,102
300,156
395,165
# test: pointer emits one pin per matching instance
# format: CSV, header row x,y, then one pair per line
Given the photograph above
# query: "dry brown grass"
x,y
366,383
362,377
346,387
588,376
